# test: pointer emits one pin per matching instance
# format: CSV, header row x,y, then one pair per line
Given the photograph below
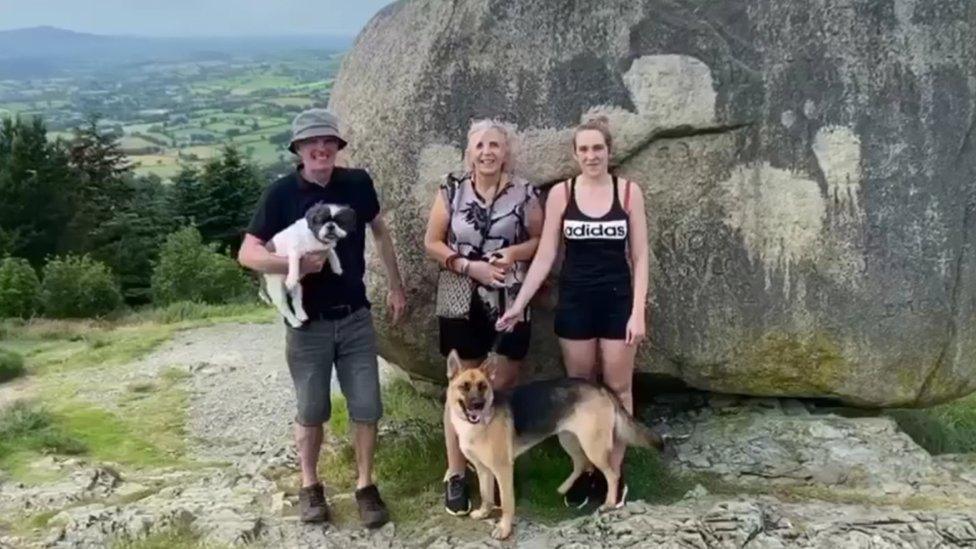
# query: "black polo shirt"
x,y
287,200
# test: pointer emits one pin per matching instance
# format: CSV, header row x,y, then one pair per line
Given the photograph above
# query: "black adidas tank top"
x,y
596,248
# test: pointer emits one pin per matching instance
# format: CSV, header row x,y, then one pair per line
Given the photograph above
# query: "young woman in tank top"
x,y
600,317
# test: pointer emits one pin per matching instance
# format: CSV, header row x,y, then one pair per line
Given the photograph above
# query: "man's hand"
x,y
396,299
312,262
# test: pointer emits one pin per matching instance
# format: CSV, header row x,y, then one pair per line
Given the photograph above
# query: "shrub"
x,y
78,287
24,426
189,270
11,365
19,288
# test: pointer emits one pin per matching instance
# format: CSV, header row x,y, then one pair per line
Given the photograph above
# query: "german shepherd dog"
x,y
495,427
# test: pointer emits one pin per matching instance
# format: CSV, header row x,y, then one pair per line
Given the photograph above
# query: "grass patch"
x,y
56,345
11,365
26,431
145,428
134,441
178,537
945,429
542,469
106,348
409,461
186,311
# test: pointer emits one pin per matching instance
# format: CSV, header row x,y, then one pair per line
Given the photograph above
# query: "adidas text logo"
x,y
605,230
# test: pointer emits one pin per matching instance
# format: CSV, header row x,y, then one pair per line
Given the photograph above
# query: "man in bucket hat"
x,y
340,326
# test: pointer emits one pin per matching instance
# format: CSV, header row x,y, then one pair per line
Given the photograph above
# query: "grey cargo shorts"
x,y
350,344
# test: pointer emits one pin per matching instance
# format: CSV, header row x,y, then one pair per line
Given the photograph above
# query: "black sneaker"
x,y
598,488
311,504
372,510
457,501
579,493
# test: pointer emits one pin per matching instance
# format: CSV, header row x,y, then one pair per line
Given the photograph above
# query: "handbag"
x,y
454,290
454,294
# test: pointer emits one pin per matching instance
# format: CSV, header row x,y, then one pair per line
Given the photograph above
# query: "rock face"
x,y
809,170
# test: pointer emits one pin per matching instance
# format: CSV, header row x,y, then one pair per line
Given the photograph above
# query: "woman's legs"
x,y
618,375
580,357
506,374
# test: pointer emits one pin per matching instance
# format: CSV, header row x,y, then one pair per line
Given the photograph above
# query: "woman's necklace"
x,y
494,192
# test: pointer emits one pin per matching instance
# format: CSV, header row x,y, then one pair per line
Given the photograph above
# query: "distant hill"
x,y
42,51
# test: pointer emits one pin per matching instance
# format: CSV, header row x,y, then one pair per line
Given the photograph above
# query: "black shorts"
x,y
473,337
594,313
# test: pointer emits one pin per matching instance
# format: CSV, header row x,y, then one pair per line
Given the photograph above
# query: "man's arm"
x,y
254,255
384,245
396,298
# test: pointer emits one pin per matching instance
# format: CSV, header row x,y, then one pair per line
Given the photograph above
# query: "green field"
x,y
188,110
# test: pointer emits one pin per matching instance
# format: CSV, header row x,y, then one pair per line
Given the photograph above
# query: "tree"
x,y
102,183
78,287
37,190
128,242
187,195
227,193
20,288
189,270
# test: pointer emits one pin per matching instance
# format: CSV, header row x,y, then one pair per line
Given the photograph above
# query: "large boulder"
x,y
809,169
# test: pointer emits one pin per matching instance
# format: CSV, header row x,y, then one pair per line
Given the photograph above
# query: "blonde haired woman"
x,y
483,228
601,221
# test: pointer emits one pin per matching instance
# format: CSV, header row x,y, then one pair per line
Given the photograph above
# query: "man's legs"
x,y
310,351
308,440
364,443
358,372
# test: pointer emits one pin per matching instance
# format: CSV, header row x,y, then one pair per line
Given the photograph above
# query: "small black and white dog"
x,y
320,230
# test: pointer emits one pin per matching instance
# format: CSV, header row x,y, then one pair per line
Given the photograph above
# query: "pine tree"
x,y
36,190
102,187
129,241
186,195
229,190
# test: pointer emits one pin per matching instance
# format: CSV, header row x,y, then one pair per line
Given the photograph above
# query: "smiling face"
x,y
469,393
487,152
592,152
318,154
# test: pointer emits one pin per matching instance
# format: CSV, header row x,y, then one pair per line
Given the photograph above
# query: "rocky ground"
x,y
788,474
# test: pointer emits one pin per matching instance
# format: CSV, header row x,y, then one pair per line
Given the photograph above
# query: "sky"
x,y
192,17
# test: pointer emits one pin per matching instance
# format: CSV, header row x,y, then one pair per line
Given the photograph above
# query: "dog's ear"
x,y
453,365
490,366
312,212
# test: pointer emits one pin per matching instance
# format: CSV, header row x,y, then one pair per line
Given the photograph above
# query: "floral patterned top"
x,y
474,236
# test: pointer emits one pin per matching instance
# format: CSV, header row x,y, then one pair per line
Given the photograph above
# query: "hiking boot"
x,y
311,504
372,510
457,500
578,494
